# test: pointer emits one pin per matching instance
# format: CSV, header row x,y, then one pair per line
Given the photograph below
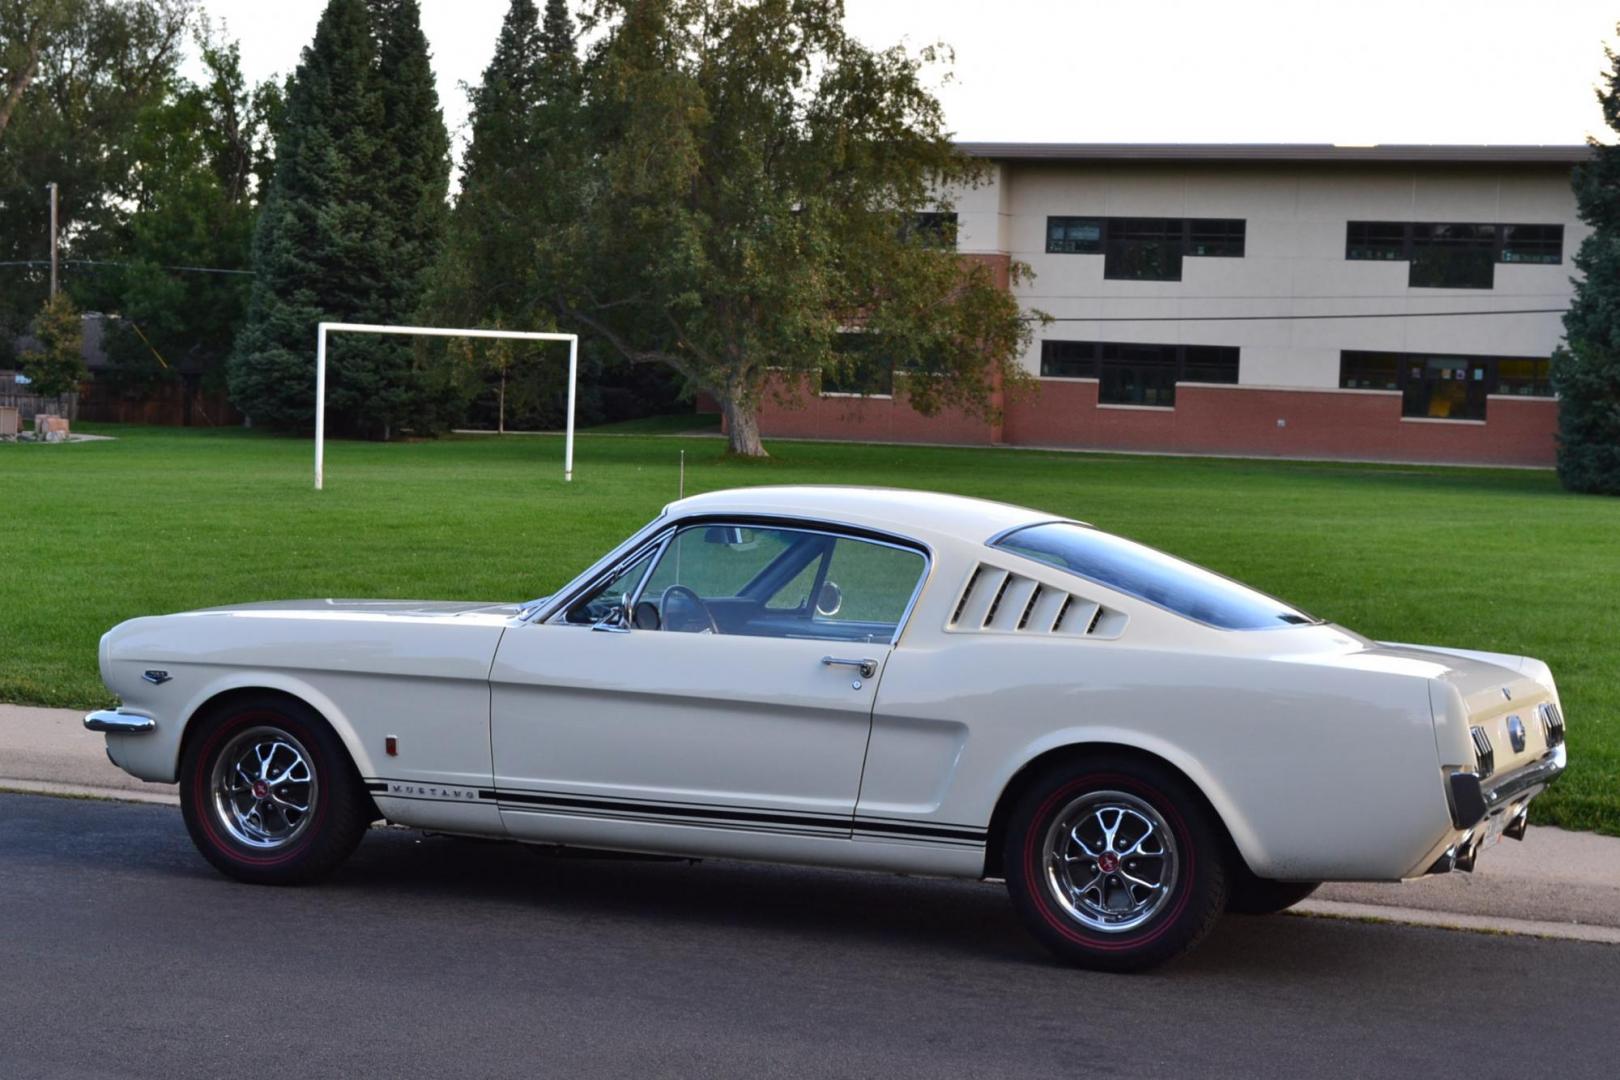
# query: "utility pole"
x,y
52,187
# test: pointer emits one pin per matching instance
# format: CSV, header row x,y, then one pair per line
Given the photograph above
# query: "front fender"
x,y
155,755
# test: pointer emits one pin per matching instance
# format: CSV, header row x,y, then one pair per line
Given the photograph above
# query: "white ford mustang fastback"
x,y
888,680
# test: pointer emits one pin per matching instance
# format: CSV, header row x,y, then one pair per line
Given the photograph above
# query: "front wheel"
x,y
269,794
1114,864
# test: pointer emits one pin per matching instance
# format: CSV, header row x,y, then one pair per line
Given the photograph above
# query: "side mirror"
x,y
617,620
830,600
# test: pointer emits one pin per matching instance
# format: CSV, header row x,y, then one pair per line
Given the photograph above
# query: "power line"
x,y
107,262
1297,318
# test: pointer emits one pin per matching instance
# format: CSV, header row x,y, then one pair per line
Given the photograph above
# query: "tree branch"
x,y
17,83
622,347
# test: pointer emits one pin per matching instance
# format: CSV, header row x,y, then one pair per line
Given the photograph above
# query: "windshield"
x,y
1140,571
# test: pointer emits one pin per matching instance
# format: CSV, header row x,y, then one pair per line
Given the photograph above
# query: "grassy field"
x,y
164,520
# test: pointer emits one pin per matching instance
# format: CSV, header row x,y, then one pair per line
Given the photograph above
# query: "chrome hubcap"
x,y
1110,861
264,788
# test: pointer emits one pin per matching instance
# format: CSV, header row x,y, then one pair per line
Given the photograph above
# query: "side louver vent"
x,y
999,600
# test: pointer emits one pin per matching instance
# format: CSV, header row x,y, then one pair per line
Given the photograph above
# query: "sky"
x,y
1365,71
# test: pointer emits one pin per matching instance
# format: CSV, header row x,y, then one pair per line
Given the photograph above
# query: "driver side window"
x,y
791,583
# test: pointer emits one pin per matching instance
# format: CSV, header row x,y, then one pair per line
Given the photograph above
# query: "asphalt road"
x,y
123,955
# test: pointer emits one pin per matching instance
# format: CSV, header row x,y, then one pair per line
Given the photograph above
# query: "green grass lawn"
x,y
163,520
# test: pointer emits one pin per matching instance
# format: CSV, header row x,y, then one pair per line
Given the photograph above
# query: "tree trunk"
x,y
17,85
742,426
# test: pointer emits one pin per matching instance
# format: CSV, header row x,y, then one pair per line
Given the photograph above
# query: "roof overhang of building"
x,y
1294,153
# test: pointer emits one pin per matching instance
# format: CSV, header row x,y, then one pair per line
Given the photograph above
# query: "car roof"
x,y
922,515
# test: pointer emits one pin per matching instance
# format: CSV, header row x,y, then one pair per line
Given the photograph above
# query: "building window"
x,y
1216,236
1444,387
1069,359
1453,256
1131,373
1145,249
933,228
1524,378
1074,235
1533,244
1379,240
859,367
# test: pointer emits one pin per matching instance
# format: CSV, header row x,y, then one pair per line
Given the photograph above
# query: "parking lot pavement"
x,y
125,955
1553,878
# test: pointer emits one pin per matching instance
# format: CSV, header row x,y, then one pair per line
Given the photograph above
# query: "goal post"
x,y
434,331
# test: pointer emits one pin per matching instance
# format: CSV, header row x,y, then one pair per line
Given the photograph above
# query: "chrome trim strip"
x,y
118,722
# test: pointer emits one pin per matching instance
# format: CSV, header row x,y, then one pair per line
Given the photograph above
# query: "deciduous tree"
x,y
74,77
752,174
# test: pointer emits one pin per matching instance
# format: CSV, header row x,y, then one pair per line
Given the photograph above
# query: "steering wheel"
x,y
698,619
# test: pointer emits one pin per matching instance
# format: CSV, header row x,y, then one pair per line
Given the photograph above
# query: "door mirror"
x,y
830,600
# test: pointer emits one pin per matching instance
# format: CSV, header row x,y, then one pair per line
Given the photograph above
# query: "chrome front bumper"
x,y
119,722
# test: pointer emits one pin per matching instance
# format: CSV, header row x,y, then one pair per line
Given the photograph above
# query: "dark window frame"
x,y
1112,364
1542,246
1359,367
1183,238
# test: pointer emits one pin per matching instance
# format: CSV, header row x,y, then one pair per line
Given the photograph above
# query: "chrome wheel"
x,y
264,788
1110,861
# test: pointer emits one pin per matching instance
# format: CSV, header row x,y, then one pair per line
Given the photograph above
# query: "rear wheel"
x,y
269,794
1114,864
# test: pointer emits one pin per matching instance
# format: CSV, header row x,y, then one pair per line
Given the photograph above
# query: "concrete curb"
x,y
77,791
1333,909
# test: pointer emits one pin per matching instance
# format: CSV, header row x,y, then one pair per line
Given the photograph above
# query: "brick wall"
x,y
1206,420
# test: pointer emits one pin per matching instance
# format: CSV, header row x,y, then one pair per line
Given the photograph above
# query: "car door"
x,y
712,688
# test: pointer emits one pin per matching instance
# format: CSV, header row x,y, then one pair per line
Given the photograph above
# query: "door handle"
x,y
867,667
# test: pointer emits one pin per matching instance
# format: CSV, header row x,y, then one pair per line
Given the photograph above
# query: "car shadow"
x,y
840,908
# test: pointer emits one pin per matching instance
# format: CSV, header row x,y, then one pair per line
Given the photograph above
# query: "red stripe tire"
x,y
1113,863
269,793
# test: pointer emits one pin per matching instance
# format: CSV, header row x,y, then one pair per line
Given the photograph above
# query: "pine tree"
x,y
1586,374
351,221
57,367
417,151
524,122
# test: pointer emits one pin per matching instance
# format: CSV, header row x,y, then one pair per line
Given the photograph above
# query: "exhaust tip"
x,y
1446,862
1467,854
1519,825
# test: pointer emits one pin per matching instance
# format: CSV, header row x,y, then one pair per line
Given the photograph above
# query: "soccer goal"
x,y
433,331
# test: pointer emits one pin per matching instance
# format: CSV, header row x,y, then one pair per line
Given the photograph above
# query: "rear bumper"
x,y
119,722
1493,807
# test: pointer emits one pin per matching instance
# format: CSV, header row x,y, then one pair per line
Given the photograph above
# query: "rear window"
x,y
1140,571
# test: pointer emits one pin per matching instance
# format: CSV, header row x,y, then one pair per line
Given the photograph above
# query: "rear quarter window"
x,y
1151,575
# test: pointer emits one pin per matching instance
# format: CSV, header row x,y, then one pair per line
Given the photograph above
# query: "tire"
x,y
1115,805
1251,895
248,826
